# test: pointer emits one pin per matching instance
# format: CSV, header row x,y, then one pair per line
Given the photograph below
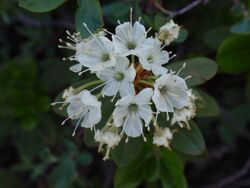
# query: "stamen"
x,y
98,86
139,19
60,102
80,73
183,66
78,123
149,29
131,15
118,21
188,77
95,38
64,121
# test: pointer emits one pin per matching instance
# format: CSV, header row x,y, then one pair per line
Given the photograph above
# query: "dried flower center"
x,y
119,76
133,107
131,45
105,57
150,59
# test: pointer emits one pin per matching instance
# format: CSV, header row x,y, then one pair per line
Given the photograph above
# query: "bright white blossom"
x,y
129,39
169,32
170,93
130,66
162,137
85,108
108,136
152,57
97,54
118,78
183,115
132,112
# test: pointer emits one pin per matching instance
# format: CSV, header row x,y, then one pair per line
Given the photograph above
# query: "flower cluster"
x,y
130,68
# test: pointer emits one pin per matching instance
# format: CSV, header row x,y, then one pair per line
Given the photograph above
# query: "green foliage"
x,y
189,141
234,53
206,105
130,150
40,5
201,69
89,12
171,176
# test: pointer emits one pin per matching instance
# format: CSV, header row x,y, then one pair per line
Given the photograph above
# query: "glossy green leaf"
x,y
131,175
171,170
201,69
130,150
241,27
190,142
63,174
84,158
206,105
215,36
183,34
234,54
89,12
40,5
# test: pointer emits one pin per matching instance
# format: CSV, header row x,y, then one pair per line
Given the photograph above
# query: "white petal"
x,y
133,126
139,33
144,96
119,114
111,88
76,68
126,88
158,69
145,112
88,99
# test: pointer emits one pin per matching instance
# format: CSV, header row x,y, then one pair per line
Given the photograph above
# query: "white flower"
x,y
132,112
169,32
107,136
118,78
152,57
162,137
170,93
128,38
97,54
84,107
183,115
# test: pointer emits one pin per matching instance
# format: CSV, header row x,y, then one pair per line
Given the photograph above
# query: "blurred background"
x,y
37,152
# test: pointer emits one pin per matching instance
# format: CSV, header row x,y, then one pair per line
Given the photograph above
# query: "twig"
x,y
230,179
181,11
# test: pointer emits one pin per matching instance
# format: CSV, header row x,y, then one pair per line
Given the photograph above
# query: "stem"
x,y
89,85
133,59
146,82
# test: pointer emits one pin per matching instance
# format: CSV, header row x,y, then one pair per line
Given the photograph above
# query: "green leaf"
x,y
10,180
206,105
215,36
131,175
201,69
183,34
241,27
171,170
40,5
84,159
89,12
234,54
124,153
63,174
159,20
189,142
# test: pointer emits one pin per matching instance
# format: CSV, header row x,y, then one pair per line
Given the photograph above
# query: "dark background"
x,y
36,151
